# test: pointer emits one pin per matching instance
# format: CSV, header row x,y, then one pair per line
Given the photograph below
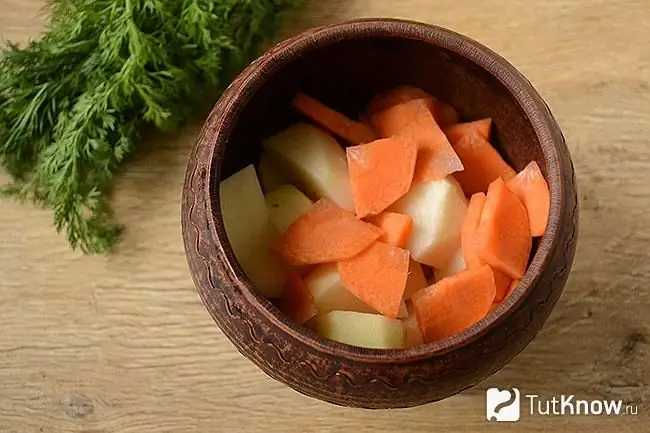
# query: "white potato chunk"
x,y
285,204
271,175
251,232
438,209
324,283
361,329
314,161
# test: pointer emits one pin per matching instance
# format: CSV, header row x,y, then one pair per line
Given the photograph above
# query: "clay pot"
x,y
343,66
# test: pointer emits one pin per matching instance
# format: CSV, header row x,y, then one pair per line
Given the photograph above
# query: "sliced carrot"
x,y
532,189
493,307
380,173
444,114
455,303
397,227
502,238
481,127
348,129
325,233
512,287
377,276
402,312
297,302
482,164
395,96
412,121
416,279
501,283
470,223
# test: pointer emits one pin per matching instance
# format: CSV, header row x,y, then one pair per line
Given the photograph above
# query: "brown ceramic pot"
x,y
343,66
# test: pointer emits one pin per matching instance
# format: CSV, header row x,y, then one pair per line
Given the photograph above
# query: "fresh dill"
x,y
73,104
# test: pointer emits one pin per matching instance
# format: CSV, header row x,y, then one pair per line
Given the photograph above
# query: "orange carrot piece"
x,y
482,164
337,123
413,121
377,276
297,303
481,127
455,303
493,307
416,279
395,96
325,233
380,173
502,238
470,223
402,312
512,287
501,283
444,114
532,189
397,227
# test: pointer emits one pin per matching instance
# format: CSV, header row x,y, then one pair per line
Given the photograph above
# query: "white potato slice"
x,y
271,175
324,283
438,209
361,329
251,232
314,161
285,204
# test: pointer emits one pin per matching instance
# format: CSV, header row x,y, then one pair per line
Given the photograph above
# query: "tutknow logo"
x,y
505,405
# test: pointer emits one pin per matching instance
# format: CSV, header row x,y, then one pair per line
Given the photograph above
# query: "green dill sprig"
x,y
73,103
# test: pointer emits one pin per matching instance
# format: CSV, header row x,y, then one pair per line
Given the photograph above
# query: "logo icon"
x,y
503,405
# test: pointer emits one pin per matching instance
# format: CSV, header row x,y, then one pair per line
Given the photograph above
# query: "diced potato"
x,y
271,175
314,161
455,265
285,204
324,283
250,231
438,209
361,329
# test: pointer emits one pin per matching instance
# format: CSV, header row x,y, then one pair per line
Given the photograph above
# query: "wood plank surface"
x,y
123,343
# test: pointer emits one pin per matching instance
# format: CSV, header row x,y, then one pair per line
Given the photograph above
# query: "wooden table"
x,y
123,343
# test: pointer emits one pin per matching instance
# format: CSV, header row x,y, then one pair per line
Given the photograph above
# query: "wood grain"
x,y
123,343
